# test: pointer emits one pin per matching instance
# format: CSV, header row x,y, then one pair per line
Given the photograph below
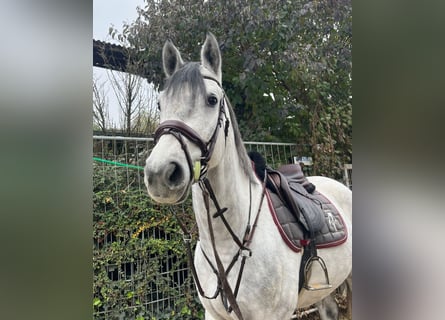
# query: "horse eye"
x,y
212,100
159,106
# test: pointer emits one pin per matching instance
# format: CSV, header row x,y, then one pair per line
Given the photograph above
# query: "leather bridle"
x,y
180,129
198,173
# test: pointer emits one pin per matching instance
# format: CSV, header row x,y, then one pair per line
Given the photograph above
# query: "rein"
x,y
227,294
244,250
198,173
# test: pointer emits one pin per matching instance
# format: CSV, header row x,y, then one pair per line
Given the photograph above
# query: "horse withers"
x,y
242,267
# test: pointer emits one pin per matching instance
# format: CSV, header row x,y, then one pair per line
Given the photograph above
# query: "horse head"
x,y
192,111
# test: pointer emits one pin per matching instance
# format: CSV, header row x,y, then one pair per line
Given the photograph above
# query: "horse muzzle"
x,y
167,177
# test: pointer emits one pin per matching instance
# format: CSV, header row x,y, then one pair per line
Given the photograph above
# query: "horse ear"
x,y
211,56
171,58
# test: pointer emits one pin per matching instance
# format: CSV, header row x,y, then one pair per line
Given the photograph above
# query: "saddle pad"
x,y
332,233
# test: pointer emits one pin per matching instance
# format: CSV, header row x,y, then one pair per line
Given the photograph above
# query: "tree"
x,y
100,107
148,118
136,99
130,97
286,65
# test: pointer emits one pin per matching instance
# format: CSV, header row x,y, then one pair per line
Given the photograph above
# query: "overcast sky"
x,y
112,12
108,13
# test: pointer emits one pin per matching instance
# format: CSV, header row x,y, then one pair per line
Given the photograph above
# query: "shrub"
x,y
139,261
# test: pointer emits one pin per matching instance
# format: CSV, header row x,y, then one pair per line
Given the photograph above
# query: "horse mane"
x,y
245,161
190,75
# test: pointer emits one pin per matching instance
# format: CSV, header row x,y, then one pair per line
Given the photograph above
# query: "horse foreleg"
x,y
327,308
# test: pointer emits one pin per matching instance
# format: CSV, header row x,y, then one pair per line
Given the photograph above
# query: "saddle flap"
x,y
312,214
292,186
280,186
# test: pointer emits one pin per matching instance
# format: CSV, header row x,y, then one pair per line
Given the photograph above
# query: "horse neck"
x,y
230,184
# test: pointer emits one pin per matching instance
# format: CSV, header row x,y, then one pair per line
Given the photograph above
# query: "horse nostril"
x,y
174,174
149,178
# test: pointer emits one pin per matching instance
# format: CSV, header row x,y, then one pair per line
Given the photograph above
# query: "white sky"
x,y
114,13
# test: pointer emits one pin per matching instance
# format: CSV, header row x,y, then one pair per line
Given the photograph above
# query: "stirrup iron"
x,y
307,269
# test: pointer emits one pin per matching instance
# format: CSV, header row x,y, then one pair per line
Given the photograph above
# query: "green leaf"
x,y
97,302
186,311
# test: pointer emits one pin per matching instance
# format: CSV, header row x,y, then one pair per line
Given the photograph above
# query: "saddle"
x,y
303,212
305,218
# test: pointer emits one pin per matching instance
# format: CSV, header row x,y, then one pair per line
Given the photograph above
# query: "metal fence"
x,y
277,153
134,151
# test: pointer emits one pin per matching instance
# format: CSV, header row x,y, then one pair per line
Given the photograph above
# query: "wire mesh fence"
x,y
139,262
136,150
277,154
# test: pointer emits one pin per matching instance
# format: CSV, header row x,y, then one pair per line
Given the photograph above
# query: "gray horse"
x,y
243,269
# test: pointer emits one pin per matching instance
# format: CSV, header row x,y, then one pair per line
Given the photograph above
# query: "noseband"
x,y
179,129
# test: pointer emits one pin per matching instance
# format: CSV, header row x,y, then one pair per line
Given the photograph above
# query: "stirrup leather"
x,y
307,270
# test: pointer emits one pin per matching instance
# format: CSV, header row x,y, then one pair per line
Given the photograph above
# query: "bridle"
x,y
198,174
178,129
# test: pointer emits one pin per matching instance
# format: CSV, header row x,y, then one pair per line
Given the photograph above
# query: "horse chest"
x,y
265,282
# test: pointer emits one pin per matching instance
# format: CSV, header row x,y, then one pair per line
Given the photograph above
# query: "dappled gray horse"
x,y
242,267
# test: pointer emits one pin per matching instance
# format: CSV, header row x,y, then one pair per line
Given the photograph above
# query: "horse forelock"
x,y
187,77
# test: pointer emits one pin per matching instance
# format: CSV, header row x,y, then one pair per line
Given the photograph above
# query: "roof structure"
x,y
116,57
109,56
